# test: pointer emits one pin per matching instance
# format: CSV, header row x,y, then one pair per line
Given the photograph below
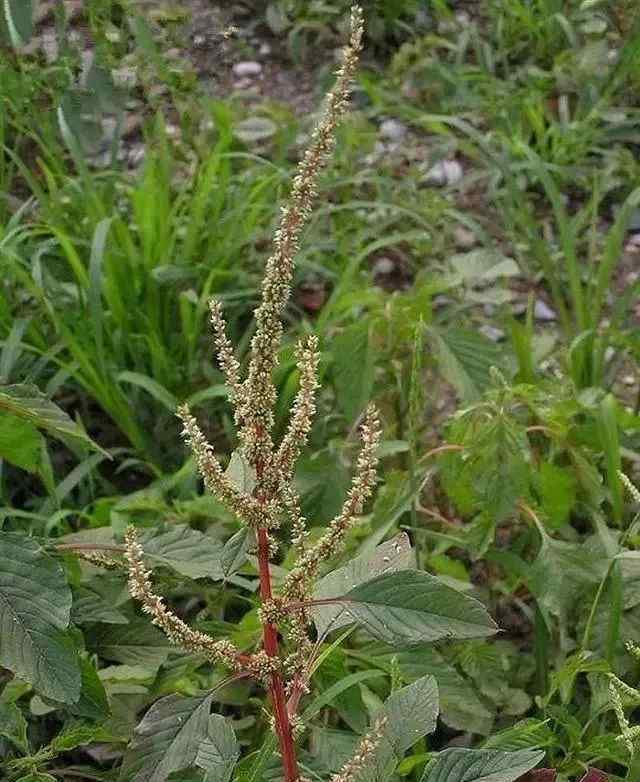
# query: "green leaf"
x,y
255,129
484,265
411,713
481,765
466,358
395,554
241,473
526,734
78,735
13,726
235,551
558,489
353,368
35,608
218,753
37,777
137,643
607,420
18,15
90,607
152,387
93,703
412,607
167,739
252,768
20,442
561,571
29,403
460,706
185,550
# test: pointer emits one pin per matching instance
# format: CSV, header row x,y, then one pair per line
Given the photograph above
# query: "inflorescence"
x,y
274,497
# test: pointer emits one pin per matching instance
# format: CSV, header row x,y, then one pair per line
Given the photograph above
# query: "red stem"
x,y
270,636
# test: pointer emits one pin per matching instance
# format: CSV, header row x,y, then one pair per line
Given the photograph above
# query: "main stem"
x,y
270,637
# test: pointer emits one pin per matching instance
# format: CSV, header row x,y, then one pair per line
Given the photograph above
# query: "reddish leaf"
x,y
594,775
540,775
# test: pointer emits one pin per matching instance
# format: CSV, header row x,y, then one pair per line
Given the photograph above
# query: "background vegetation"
x,y
472,266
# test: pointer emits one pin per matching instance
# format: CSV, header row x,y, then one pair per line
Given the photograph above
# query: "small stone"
x,y
445,172
50,47
632,244
542,311
392,130
136,154
265,50
491,332
464,238
383,265
126,76
86,58
247,69
629,380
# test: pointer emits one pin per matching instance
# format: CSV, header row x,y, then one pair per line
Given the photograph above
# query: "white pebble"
x,y
542,311
249,68
392,130
445,172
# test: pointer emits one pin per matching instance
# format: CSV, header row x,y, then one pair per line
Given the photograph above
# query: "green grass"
x,y
501,460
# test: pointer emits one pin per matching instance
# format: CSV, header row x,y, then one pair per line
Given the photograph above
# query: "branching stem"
x,y
271,647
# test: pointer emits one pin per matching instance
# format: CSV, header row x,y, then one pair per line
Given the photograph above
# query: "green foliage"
x,y
464,765
34,616
409,607
505,430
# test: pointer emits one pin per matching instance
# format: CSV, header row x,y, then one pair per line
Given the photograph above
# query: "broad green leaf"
x,y
240,472
558,489
255,129
484,265
18,15
410,714
527,734
90,607
137,643
466,358
78,735
167,739
93,703
481,765
29,403
412,607
235,551
13,726
460,705
353,368
323,481
20,442
561,570
218,753
183,549
35,608
395,554
332,748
